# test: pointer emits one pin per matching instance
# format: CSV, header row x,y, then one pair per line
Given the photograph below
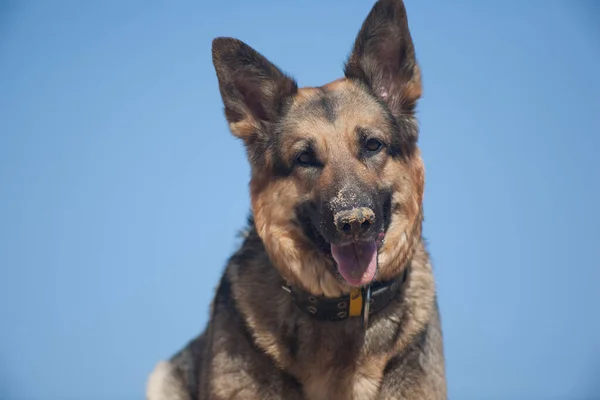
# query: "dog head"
x,y
337,178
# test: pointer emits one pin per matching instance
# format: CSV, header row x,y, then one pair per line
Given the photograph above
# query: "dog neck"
x,y
361,302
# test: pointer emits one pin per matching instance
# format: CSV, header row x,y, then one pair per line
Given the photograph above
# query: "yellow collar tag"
x,y
356,302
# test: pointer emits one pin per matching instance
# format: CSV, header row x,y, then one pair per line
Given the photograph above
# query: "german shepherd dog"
x,y
331,295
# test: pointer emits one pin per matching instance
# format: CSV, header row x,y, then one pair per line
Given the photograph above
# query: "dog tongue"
x,y
357,262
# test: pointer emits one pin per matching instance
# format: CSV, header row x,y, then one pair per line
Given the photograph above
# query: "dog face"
x,y
337,178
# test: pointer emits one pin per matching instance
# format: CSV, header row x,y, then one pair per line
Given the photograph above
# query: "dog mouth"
x,y
356,262
353,262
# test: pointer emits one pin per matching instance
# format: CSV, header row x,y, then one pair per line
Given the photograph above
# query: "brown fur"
x,y
258,344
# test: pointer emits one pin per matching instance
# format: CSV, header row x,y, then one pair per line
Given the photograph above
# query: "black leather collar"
x,y
338,309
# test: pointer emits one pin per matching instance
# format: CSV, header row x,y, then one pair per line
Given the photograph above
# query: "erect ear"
x,y
383,57
252,88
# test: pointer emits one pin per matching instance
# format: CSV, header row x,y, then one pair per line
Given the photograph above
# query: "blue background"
x,y
121,189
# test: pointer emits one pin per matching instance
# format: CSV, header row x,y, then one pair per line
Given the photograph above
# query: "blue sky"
x,y
121,190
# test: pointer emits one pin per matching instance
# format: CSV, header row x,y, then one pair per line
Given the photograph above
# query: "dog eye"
x,y
373,145
306,159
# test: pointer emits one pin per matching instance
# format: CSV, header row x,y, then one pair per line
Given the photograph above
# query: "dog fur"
x,y
315,153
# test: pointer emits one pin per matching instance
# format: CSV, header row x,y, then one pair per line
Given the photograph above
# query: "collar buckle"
x,y
367,307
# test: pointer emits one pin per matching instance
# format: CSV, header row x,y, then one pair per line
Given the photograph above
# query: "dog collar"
x,y
361,301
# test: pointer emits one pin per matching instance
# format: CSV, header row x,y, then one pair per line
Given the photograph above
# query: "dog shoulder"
x,y
178,376
419,371
165,383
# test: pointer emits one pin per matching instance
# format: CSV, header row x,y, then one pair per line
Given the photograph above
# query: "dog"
x,y
331,295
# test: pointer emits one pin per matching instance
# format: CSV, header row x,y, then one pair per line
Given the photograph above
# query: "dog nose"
x,y
355,222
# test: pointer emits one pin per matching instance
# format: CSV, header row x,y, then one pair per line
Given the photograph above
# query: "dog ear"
x,y
383,57
252,88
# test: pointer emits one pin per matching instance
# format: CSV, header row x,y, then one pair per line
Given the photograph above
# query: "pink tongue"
x,y
357,262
